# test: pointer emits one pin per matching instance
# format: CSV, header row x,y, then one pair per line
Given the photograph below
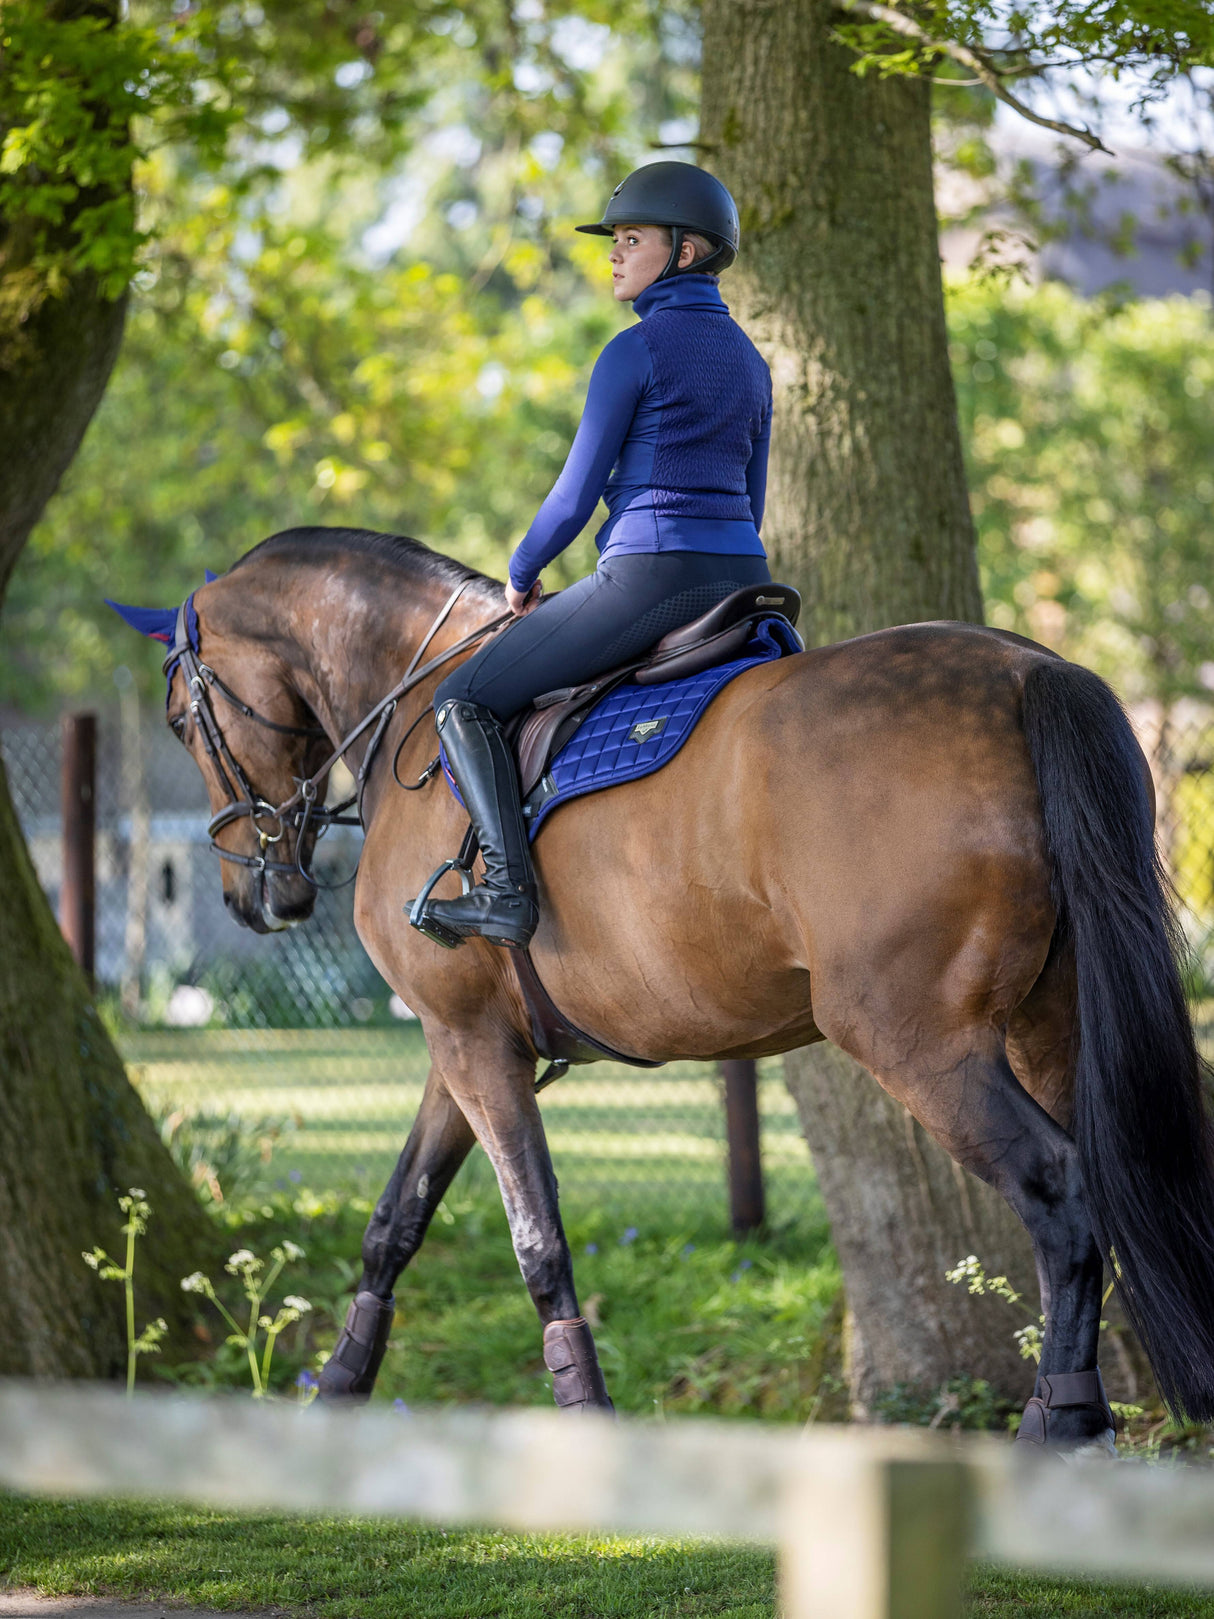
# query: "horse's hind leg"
x,y
971,1102
438,1144
495,1088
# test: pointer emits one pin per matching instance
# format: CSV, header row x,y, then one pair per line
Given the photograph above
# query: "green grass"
x,y
341,1567
355,1569
686,1320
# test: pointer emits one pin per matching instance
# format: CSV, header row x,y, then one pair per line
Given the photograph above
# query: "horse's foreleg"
x,y
438,1144
506,1119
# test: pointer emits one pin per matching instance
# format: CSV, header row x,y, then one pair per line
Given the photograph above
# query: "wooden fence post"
x,y
78,805
747,1207
871,1537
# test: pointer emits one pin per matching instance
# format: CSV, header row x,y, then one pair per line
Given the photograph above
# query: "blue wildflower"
x,y
629,1236
592,1247
689,1248
400,1408
295,1175
307,1381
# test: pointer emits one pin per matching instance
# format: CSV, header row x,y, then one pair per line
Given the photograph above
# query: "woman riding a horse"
x,y
932,846
674,437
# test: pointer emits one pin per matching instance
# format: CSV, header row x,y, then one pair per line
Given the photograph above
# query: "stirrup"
x,y
430,925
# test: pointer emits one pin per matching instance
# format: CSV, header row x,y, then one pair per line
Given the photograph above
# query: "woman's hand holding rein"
x,y
520,603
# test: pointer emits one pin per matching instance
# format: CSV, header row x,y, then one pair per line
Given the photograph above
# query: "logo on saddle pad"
x,y
646,730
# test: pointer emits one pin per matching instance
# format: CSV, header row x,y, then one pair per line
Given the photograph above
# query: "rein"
x,y
302,809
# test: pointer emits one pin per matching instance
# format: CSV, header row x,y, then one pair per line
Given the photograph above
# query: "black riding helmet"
x,y
682,197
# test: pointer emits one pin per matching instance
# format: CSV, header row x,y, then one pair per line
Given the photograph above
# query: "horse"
x,y
932,845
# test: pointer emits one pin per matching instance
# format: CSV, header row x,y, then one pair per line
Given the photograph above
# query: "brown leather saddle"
x,y
714,638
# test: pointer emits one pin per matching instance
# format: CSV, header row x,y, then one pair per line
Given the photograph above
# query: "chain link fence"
x,y
290,1047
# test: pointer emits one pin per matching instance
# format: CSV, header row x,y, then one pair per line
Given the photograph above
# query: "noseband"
x,y
301,811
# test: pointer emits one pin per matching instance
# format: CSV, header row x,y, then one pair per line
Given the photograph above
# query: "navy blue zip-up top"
x,y
680,407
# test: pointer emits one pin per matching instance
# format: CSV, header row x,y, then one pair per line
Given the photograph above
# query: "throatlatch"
x,y
569,1354
1062,1391
350,1371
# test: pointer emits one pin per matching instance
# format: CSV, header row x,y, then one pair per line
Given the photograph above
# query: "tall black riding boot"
x,y
503,908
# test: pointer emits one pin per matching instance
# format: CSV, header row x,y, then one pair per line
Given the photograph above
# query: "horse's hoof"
x,y
349,1374
1100,1450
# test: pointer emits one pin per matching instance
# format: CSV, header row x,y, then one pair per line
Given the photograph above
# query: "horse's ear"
x,y
158,622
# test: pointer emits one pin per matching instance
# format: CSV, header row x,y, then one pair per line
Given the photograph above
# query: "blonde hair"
x,y
703,247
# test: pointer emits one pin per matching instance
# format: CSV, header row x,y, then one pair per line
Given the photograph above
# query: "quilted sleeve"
x,y
621,374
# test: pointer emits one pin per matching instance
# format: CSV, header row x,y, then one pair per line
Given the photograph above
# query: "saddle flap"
x,y
555,715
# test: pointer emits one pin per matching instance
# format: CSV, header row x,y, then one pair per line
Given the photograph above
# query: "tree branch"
x,y
978,64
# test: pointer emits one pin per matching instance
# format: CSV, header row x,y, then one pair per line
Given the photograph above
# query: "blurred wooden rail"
x,y
869,1524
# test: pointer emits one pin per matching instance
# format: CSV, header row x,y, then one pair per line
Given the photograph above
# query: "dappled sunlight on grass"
x,y
373,1570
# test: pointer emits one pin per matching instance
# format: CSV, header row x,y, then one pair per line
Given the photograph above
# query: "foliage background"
x,y
360,301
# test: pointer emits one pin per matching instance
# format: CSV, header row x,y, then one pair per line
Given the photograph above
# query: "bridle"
x,y
302,810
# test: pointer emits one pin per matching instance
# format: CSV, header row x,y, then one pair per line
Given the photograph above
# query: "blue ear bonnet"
x,y
160,624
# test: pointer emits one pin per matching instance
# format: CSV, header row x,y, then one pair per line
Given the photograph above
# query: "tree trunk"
x,y
73,1133
839,284
73,1137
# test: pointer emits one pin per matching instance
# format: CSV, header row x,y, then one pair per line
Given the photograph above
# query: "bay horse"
x,y
932,845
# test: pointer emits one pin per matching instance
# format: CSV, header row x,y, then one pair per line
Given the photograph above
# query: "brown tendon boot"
x,y
349,1373
569,1354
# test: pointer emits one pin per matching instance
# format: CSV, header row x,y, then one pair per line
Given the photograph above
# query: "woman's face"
x,y
638,257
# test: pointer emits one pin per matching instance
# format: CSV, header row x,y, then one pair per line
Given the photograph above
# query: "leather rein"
x,y
301,810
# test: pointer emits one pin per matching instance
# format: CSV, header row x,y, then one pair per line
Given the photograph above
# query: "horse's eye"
x,y
177,726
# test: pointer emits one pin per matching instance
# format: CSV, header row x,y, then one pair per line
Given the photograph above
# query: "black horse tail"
x,y
1139,1122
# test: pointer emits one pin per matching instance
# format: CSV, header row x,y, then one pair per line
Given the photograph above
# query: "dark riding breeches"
x,y
618,612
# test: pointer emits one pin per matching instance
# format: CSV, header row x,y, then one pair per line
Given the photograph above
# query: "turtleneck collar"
x,y
686,291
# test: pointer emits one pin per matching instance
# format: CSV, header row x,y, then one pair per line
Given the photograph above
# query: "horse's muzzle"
x,y
270,902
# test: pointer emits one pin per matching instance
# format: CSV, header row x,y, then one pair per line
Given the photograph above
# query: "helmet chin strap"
x,y
676,249
704,266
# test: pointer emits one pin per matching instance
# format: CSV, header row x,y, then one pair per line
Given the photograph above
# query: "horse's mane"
x,y
410,556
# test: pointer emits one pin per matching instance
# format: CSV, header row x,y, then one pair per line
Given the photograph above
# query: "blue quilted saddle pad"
x,y
635,730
